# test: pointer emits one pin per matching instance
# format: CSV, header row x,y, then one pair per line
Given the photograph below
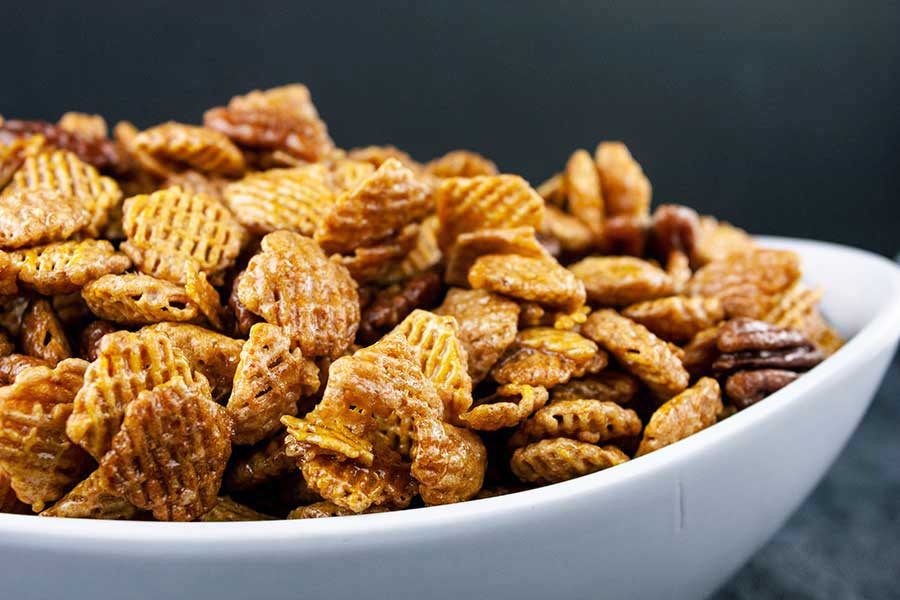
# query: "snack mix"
x,y
241,321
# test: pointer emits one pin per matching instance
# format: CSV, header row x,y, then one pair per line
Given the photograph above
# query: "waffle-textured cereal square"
x,y
33,217
66,267
192,147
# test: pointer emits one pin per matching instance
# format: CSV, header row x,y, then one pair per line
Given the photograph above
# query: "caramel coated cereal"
x,y
42,334
626,189
677,318
507,407
540,280
621,280
585,197
592,421
32,217
470,246
685,414
91,499
136,299
461,163
561,459
545,356
197,148
605,386
65,267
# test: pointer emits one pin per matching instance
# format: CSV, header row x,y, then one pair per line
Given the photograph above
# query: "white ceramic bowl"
x,y
673,524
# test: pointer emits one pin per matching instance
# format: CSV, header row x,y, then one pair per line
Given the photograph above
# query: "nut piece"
x,y
193,147
461,163
470,246
90,499
170,227
42,334
561,459
605,386
377,209
677,318
544,356
625,235
171,452
641,353
136,299
621,280
749,387
32,217
541,280
466,204
589,421
291,283
701,352
227,510
7,346
34,451
66,267
13,154
676,228
684,415
291,199
582,185
626,189
392,304
13,364
743,334
101,153
90,338
507,407
487,326
127,364
269,380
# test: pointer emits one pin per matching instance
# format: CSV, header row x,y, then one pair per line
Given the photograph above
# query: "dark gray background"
x,y
783,119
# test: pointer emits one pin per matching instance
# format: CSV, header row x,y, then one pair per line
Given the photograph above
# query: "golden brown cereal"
x,y
685,414
678,268
605,386
561,459
325,509
485,202
507,407
192,147
377,209
461,163
9,503
8,274
466,466
347,173
640,352
626,189
293,199
591,421
127,364
625,235
378,155
553,190
585,197
13,364
718,240
243,318
212,354
269,380
34,451
487,326
7,346
392,304
469,246
91,336
398,433
621,280
136,299
677,318
196,183
84,125
168,227
357,487
43,335
90,499
748,283
378,263
281,118
126,135
792,306
33,217
701,351
259,464
227,510
442,358
291,283
99,152
540,280
65,267
574,237
424,255
544,356
170,454
12,155
676,228
823,335
65,173
311,436
201,292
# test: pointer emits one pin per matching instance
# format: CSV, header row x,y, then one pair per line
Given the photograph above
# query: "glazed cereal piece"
x,y
748,283
677,318
89,344
90,499
684,415
33,217
347,173
507,407
461,163
625,235
291,199
718,240
84,125
227,510
676,228
197,183
466,467
574,237
466,204
387,483
169,227
442,358
561,459
640,352
193,147
487,326
269,380
553,190
243,318
201,292
326,509
99,152
8,273
313,436
42,334
368,264
398,433
544,356
263,463
626,190
621,280
540,280
470,246
591,421
792,306
137,299
392,304
425,254
66,174
820,333
585,197
9,503
212,354
66,267
701,352
678,268
605,386
171,452
13,154
42,463
125,134
378,155
374,211
291,283
281,118
13,364
126,365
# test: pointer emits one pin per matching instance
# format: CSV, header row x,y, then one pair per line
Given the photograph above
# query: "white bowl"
x,y
675,524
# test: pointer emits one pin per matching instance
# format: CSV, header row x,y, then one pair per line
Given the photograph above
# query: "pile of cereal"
x,y
241,321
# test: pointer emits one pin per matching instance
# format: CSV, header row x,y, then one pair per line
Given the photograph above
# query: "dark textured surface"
x,y
844,542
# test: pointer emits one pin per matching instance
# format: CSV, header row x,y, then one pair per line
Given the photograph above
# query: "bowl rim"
x,y
881,330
